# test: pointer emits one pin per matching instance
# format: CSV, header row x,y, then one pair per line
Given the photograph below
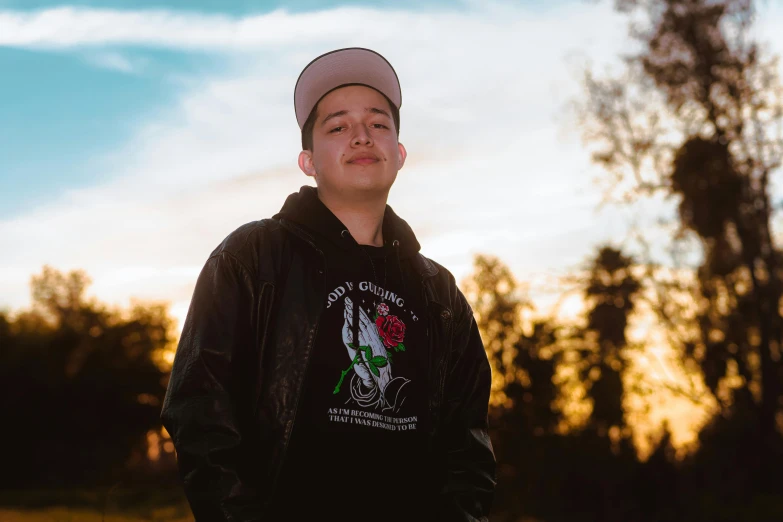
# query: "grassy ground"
x,y
65,514
106,505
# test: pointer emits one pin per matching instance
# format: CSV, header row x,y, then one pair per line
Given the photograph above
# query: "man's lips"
x,y
364,158
364,161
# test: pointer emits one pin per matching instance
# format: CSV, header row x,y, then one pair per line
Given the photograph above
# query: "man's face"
x,y
355,150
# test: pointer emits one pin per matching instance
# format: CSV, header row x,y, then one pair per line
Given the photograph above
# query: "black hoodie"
x,y
358,447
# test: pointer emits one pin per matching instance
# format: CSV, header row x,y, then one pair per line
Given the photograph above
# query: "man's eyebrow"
x,y
375,110
333,115
343,112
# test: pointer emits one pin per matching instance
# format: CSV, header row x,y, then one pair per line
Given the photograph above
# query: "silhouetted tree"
x,y
80,385
538,465
698,117
610,293
658,482
523,363
724,103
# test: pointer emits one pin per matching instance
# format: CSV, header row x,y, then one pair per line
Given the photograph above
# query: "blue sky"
x,y
65,107
232,7
62,113
101,99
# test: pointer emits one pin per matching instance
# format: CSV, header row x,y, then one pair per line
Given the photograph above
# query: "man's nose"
x,y
362,136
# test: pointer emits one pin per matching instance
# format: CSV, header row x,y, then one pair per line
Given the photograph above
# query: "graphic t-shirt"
x,y
358,447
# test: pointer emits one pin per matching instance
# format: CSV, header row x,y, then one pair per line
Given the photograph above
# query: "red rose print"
x,y
391,329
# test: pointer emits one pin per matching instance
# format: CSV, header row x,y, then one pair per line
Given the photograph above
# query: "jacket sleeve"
x,y
200,410
469,457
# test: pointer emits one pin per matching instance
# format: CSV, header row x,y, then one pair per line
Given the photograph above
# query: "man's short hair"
x,y
309,126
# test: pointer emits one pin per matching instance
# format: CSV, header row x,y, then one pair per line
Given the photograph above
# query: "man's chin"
x,y
360,187
368,187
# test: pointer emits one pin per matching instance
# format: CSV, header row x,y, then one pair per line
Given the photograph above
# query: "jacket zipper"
x,y
446,356
280,464
265,320
440,386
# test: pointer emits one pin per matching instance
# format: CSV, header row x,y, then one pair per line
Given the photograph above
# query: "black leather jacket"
x,y
242,358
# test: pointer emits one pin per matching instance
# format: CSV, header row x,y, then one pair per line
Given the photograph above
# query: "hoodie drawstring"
x,y
396,245
355,319
354,291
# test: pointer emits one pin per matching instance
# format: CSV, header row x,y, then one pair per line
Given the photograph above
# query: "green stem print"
x,y
372,363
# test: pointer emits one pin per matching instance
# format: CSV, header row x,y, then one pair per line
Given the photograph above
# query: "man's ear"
x,y
402,154
306,163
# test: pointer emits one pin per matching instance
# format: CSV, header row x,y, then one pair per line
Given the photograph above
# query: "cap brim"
x,y
340,67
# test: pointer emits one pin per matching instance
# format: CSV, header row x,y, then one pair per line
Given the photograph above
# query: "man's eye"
x,y
336,128
380,125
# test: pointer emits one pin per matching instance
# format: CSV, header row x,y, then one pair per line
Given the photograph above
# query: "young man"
x,y
326,369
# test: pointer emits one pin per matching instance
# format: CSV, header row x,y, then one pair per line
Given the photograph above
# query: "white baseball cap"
x,y
350,65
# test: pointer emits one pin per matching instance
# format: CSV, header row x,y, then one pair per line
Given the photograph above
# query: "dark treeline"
x,y
555,468
695,117
80,387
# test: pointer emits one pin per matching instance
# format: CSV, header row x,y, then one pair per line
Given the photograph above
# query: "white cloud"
x,y
115,61
65,27
489,168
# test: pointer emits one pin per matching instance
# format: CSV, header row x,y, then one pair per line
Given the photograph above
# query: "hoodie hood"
x,y
306,209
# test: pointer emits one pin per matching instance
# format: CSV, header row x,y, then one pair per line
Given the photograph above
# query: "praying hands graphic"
x,y
372,382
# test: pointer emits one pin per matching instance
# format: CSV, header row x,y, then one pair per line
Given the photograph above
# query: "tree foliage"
x,y
716,140
81,385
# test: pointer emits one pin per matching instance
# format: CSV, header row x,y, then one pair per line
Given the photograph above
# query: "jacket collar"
x,y
304,214
306,209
